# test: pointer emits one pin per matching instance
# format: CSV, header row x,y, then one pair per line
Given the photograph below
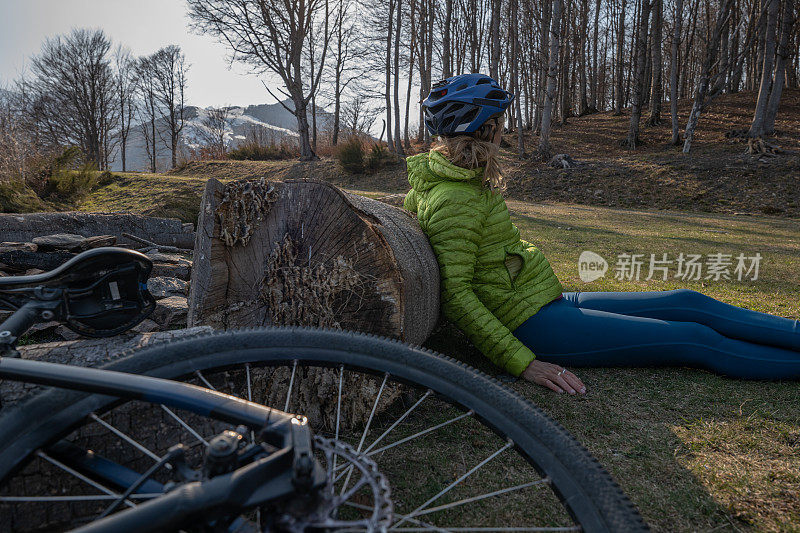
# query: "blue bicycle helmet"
x,y
461,104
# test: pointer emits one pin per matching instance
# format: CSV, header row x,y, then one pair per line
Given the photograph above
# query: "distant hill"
x,y
271,122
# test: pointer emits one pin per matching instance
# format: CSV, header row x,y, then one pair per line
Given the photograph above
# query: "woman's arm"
x,y
454,231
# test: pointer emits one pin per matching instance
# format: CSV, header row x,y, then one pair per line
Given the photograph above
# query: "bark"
x,y
673,71
552,73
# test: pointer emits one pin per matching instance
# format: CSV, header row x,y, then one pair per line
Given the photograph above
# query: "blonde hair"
x,y
475,151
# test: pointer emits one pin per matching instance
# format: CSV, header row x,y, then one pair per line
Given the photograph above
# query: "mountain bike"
x,y
198,434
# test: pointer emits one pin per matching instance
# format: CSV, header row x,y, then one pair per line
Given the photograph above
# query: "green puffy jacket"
x,y
484,292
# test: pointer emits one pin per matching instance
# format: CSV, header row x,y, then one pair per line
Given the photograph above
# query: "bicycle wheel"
x,y
460,451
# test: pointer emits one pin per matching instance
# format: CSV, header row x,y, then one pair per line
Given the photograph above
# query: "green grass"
x,y
694,451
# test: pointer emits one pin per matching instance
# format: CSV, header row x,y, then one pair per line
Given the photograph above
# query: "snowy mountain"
x,y
267,122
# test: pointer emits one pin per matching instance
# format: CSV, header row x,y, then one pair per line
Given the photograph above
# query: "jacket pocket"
x,y
514,263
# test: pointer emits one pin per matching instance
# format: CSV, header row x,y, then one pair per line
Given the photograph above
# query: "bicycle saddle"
x,y
103,291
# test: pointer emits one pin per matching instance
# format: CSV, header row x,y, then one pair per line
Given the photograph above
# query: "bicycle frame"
x,y
289,470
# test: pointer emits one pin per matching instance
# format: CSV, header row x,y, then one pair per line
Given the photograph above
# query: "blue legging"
x,y
660,328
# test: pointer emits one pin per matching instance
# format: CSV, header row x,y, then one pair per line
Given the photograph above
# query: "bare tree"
x,y
73,85
270,35
782,55
765,87
673,71
125,87
398,144
656,89
552,75
212,131
494,39
620,61
632,140
148,108
704,92
344,69
169,70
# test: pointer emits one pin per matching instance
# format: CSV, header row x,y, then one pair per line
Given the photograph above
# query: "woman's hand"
x,y
553,377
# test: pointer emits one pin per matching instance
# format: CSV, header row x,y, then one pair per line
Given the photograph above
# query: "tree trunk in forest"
x,y
632,140
552,73
620,62
782,55
702,92
583,99
515,75
387,90
595,74
398,145
447,59
673,71
760,114
494,39
656,88
303,252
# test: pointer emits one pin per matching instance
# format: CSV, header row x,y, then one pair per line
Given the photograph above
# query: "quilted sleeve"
x,y
410,201
454,230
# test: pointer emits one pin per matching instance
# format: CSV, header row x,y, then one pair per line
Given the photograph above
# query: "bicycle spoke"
x,y
83,478
454,484
204,380
538,482
366,428
249,386
76,498
425,525
291,383
338,410
186,426
423,432
399,420
125,437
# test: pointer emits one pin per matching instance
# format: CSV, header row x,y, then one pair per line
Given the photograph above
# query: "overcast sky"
x,y
141,25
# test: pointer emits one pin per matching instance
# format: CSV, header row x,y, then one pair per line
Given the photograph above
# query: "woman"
x,y
501,291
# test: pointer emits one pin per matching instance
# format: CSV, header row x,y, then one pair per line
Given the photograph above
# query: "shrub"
x,y
378,158
255,151
17,197
71,178
351,155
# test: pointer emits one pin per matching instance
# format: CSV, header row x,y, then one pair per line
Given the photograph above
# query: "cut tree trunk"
x,y
304,252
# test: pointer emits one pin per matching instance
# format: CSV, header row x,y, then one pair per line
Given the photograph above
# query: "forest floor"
x,y
694,451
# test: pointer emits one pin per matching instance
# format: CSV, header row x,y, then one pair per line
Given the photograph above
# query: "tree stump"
x,y
305,253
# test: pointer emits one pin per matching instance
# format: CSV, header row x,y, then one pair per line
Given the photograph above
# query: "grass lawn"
x,y
695,451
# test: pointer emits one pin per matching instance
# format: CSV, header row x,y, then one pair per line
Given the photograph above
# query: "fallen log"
x,y
162,231
303,252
